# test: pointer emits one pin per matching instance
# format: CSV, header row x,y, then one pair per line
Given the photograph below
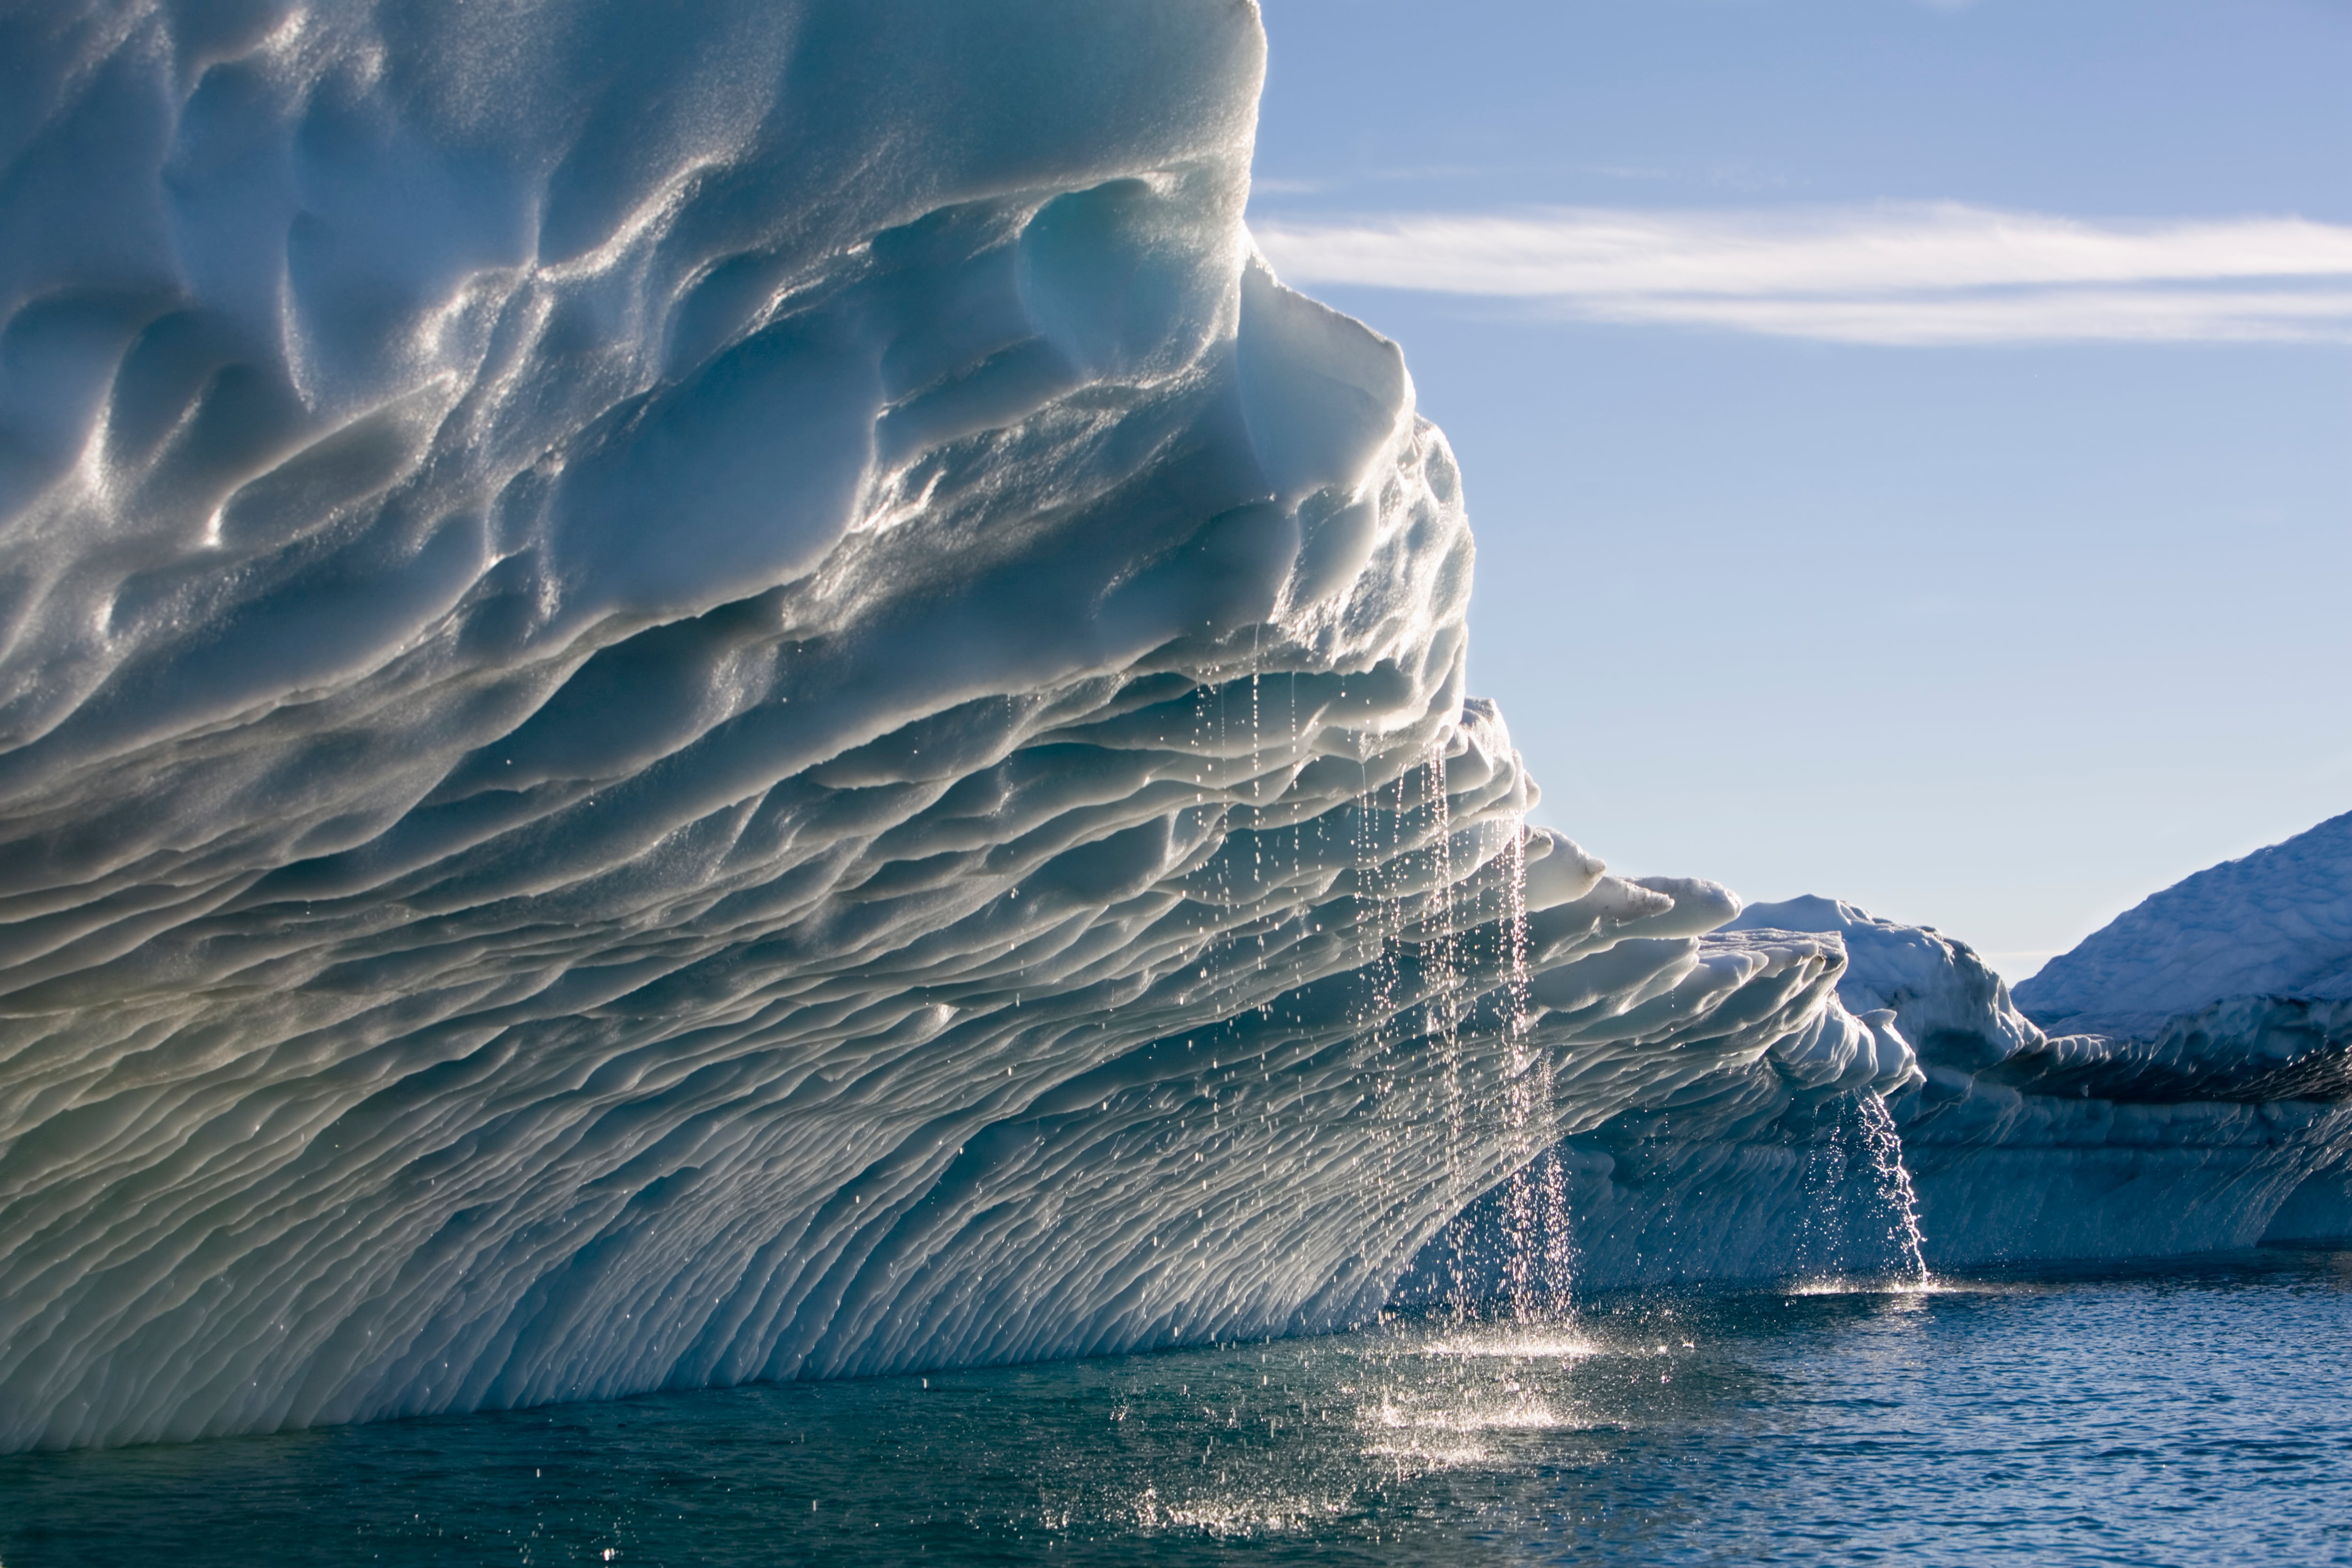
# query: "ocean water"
x,y
2193,1411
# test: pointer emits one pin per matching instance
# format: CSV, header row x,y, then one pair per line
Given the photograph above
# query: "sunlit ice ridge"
x,y
725,692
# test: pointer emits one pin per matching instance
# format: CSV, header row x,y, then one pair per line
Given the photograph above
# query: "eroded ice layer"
x,y
718,690
2277,923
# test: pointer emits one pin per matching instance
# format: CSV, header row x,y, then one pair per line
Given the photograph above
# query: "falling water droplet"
x,y
1885,1144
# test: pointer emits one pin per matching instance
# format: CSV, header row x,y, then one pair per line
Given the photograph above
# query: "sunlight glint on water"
x,y
2203,1417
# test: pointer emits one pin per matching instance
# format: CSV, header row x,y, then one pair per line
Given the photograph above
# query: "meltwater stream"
x,y
2192,1412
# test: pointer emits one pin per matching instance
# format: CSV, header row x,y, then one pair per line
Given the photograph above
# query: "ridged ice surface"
x,y
713,691
2275,924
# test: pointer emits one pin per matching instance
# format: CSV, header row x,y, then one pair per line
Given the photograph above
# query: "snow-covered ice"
x,y
2275,924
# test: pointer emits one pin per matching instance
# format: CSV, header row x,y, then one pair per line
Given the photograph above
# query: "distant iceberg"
x,y
2277,923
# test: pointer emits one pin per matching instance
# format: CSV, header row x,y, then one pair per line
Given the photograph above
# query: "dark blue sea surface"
x,y
2194,1412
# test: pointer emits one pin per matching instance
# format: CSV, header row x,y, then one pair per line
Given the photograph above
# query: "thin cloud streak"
x,y
1903,275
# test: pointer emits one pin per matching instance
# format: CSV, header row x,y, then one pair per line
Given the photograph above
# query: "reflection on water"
x,y
2185,1412
1514,1340
1838,1285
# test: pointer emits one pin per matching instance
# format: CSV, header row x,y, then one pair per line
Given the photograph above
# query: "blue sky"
x,y
1910,446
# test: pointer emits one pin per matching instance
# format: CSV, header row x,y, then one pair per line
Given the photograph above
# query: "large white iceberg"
x,y
722,690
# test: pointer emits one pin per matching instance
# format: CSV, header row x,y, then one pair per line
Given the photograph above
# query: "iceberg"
x,y
2277,923
725,692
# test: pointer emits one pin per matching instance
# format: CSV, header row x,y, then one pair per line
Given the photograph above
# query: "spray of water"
x,y
1886,1145
1380,934
1441,1011
1540,1266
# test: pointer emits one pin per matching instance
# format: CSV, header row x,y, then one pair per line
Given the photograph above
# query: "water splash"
x,y
1393,1065
1442,1012
1824,1239
1886,1145
1539,1271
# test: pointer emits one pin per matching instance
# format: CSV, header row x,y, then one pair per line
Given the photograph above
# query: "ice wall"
x,y
720,691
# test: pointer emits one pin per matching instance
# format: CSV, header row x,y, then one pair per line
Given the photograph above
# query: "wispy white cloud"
x,y
1891,274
